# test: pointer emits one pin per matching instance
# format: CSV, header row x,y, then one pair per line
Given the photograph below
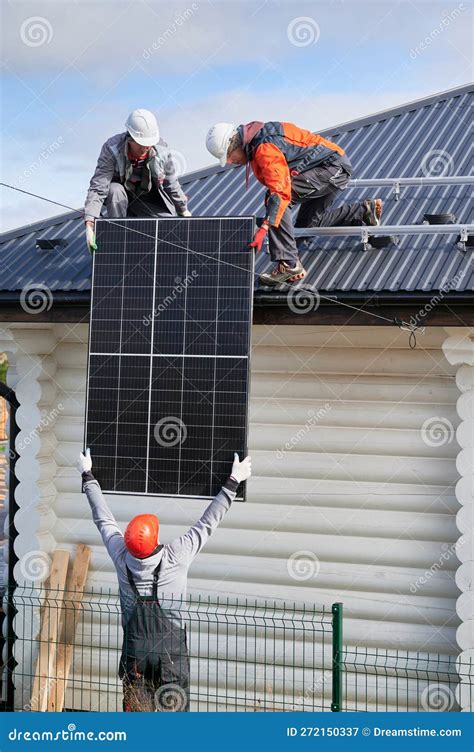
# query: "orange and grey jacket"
x,y
277,150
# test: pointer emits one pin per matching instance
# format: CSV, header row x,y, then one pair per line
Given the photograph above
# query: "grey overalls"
x,y
154,664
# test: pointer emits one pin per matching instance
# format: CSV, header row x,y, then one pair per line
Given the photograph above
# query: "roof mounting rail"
x,y
398,183
365,233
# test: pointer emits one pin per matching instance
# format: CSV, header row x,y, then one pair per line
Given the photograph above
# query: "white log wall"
x,y
344,470
459,351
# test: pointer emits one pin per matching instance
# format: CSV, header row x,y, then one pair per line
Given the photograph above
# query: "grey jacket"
x,y
114,165
176,556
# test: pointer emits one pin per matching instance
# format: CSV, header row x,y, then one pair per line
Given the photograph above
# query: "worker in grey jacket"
x,y
152,577
135,176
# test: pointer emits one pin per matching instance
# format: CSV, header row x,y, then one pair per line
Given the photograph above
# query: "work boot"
x,y
283,272
372,211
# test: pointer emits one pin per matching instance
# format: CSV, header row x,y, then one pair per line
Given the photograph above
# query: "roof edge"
x,y
262,298
399,108
41,224
204,172
213,169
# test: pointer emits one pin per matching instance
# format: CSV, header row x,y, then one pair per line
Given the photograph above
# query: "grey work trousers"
x,y
119,203
314,190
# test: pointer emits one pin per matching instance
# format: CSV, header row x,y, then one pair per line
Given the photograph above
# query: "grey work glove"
x,y
241,470
90,236
84,462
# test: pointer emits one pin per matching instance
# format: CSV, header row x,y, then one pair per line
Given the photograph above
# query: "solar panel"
x,y
169,347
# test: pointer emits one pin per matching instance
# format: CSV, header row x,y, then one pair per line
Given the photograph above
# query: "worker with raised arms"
x,y
152,576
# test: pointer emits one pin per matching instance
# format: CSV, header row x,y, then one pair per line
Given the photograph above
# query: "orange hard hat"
x,y
141,535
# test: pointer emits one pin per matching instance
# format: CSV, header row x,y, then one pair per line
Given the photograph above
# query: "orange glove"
x,y
259,237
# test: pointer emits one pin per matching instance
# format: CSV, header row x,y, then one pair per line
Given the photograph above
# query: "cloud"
x,y
110,36
74,70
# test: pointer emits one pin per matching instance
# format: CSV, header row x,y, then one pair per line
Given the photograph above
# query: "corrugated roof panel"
x,y
398,143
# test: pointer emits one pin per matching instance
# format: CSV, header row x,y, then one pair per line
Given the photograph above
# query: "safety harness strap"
x,y
156,573
155,581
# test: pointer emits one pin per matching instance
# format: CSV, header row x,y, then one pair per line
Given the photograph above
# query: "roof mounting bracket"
x,y
396,190
465,240
49,244
372,242
365,240
445,218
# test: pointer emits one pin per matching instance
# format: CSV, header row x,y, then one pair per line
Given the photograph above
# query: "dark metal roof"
x,y
67,268
394,143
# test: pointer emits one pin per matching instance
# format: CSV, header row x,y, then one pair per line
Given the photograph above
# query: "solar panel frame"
x,y
246,226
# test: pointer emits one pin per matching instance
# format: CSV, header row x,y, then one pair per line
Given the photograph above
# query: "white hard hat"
x,y
217,140
143,128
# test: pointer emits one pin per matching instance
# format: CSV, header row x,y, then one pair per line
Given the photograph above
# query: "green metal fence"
x,y
245,655
377,679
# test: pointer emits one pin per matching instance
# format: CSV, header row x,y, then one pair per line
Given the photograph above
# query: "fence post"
x,y
337,662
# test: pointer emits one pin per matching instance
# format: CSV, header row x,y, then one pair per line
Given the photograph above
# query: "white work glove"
x,y
185,213
90,236
84,462
241,470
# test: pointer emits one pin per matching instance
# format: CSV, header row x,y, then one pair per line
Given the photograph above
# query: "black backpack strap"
x,y
155,580
156,573
132,582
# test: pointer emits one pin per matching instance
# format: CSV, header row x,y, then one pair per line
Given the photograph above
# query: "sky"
x,y
73,69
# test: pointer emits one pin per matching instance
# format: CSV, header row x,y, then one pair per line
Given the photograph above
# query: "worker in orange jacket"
x,y
297,167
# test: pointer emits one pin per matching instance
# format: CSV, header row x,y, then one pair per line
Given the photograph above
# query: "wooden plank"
x,y
71,615
45,664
